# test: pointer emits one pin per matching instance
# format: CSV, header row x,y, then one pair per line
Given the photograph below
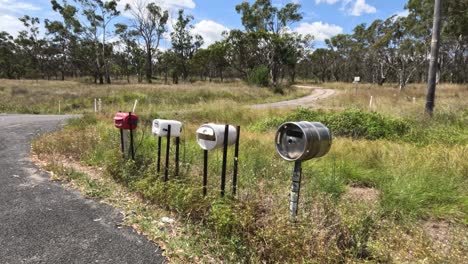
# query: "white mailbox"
x,y
160,127
299,141
211,136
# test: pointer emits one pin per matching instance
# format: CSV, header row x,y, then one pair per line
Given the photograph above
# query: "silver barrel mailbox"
x,y
160,127
211,136
299,141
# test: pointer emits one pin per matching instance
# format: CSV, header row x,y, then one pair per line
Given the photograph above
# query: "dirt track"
x,y
307,101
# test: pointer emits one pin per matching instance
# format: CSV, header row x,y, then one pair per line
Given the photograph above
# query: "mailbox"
x,y
299,141
160,127
211,136
125,121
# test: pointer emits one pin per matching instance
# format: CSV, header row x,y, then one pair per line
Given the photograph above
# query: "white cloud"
x,y
10,10
403,13
210,31
11,6
330,2
11,24
351,7
319,30
360,7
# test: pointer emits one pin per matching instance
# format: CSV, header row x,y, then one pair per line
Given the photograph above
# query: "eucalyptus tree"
x,y
184,43
218,58
150,21
130,54
431,79
269,25
9,66
31,46
99,14
64,34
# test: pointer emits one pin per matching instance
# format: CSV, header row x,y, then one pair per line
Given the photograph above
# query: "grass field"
x,y
44,97
392,189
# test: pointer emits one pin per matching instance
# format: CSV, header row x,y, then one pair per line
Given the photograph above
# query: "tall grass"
x,y
43,97
415,176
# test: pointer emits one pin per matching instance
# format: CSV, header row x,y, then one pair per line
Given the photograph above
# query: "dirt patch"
x,y
440,234
366,195
94,173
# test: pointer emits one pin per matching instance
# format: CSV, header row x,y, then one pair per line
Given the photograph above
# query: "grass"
x,y
43,97
419,174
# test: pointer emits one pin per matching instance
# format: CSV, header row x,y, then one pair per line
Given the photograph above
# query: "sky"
x,y
321,18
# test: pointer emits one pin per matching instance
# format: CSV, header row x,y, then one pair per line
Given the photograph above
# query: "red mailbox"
x,y
125,121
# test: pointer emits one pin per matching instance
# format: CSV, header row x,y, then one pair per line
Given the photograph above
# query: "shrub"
x,y
259,76
350,123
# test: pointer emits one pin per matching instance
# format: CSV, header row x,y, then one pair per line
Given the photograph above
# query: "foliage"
x,y
259,76
349,123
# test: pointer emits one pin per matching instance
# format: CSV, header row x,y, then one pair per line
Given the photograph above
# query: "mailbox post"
x,y
167,128
211,136
126,121
298,142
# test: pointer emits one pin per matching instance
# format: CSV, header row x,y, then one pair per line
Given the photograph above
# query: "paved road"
x,y
42,222
306,101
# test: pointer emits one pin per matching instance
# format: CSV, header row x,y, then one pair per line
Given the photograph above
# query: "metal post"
x,y
236,161
131,136
295,188
205,171
159,155
177,142
122,142
223,172
168,146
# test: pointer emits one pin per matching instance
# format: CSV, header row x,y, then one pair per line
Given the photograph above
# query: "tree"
x,y
184,44
64,34
150,22
269,24
99,14
431,79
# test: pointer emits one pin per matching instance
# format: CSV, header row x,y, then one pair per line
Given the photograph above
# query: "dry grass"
x,y
390,100
366,201
28,96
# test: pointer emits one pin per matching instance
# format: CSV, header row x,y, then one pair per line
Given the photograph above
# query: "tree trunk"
x,y
431,79
149,64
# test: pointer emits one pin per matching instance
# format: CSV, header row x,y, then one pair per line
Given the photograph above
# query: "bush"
x,y
350,123
259,76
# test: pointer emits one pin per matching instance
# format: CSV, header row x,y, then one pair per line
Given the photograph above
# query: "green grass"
x,y
417,166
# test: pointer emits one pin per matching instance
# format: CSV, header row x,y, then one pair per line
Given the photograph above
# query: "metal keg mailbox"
x,y
167,128
298,142
211,136
126,121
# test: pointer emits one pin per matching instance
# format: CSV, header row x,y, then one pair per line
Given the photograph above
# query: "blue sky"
x,y
322,18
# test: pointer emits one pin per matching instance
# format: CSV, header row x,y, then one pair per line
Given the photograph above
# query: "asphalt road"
x,y
42,222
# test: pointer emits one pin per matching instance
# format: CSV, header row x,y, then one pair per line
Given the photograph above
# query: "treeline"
x,y
265,52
